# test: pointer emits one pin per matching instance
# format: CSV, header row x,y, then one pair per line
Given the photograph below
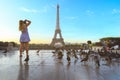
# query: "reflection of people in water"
x,y
23,70
20,75
26,72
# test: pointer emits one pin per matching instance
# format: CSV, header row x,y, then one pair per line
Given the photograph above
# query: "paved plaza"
x,y
45,66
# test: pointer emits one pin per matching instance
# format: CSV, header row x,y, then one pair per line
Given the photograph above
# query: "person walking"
x,y
24,37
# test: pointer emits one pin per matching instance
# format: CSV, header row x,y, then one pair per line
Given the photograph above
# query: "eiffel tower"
x,y
57,31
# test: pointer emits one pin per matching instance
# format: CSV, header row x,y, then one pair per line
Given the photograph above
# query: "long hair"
x,y
20,25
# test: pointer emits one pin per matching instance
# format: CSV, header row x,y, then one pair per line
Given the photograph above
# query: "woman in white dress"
x,y
24,37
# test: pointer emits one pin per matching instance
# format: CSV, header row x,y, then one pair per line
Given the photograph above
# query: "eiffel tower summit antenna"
x,y
57,31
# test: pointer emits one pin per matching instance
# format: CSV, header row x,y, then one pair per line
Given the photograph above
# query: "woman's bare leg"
x,y
26,47
27,55
21,48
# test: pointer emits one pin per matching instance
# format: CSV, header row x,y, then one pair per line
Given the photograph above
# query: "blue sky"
x,y
80,20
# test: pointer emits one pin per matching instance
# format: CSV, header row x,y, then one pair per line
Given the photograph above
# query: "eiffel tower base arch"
x,y
55,40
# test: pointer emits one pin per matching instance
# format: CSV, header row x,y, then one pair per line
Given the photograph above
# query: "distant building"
x,y
95,48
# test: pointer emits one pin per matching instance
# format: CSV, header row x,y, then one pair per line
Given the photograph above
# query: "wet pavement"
x,y
45,66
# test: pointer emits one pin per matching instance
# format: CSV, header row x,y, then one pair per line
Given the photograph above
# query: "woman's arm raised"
x,y
28,22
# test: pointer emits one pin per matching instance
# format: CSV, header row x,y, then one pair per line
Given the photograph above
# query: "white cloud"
x,y
89,12
44,9
72,17
116,11
29,10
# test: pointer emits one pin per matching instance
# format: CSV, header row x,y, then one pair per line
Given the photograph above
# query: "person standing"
x,y
24,37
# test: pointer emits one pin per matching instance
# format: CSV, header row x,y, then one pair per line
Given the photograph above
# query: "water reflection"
x,y
26,71
75,61
68,66
20,75
97,72
88,72
23,73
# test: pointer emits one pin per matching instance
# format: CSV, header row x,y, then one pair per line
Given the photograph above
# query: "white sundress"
x,y
24,37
